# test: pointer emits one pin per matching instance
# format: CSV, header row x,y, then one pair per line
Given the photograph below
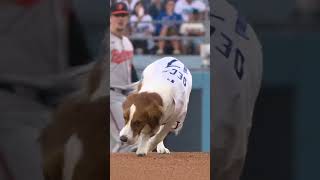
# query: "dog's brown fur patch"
x,y
148,110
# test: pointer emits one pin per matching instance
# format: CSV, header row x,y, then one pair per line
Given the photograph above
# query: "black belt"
x,y
121,91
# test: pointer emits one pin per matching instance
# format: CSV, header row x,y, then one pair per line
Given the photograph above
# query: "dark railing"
x,y
176,37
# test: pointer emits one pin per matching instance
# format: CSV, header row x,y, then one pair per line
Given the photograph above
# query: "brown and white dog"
x,y
75,144
159,105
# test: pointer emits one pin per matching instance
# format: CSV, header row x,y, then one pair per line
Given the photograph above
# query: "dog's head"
x,y
142,113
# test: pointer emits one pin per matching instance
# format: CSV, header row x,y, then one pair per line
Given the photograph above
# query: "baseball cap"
x,y
119,8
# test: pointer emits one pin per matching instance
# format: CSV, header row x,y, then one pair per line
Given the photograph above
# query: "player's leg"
x,y
22,118
21,153
117,123
115,127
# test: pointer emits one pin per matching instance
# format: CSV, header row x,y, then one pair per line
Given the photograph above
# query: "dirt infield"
x,y
174,166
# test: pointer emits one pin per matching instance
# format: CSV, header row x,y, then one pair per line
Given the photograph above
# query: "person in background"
x,y
169,25
112,2
185,7
155,8
141,26
194,28
121,68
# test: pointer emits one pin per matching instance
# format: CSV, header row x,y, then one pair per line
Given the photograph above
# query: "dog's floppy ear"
x,y
155,113
129,101
126,115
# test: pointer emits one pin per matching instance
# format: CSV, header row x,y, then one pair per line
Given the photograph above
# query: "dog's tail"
x,y
135,87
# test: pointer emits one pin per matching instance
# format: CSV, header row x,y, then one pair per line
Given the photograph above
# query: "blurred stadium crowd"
x,y
167,26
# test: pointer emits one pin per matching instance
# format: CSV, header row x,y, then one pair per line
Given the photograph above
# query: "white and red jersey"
x,y
121,54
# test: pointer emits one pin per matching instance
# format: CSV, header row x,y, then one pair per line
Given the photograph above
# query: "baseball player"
x,y
32,45
236,79
121,53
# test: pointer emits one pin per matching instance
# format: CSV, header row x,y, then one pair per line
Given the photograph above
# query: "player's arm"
x,y
134,74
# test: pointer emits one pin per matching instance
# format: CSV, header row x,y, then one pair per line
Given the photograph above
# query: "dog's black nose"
x,y
124,138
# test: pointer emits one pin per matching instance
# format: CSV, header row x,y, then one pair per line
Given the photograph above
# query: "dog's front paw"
x,y
142,152
161,149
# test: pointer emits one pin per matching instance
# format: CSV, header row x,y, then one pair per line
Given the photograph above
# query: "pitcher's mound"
x,y
174,166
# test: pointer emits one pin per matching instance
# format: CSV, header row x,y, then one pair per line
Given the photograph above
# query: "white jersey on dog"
x,y
173,82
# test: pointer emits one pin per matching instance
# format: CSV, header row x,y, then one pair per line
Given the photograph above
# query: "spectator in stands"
x,y
169,26
112,2
155,8
195,28
146,4
185,7
141,26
